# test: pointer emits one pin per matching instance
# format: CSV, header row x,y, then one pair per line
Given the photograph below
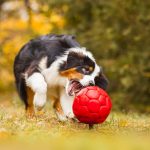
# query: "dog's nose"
x,y
91,83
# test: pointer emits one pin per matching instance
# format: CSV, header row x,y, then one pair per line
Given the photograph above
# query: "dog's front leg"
x,y
66,103
38,85
58,110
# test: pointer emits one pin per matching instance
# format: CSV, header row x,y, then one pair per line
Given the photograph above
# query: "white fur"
x,y
39,100
42,64
66,103
61,117
51,74
37,83
82,51
67,86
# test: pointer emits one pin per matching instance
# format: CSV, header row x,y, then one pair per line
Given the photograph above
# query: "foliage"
x,y
116,31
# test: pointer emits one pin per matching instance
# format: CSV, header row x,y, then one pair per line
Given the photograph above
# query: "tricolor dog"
x,y
56,64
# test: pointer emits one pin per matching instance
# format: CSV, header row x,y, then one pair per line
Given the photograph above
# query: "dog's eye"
x,y
85,70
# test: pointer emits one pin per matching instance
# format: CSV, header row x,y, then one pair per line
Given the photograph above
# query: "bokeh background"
x,y
116,31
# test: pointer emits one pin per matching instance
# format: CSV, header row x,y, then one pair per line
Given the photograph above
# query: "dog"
x,y
58,64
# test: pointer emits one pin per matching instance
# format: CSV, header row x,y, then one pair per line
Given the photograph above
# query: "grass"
x,y
119,131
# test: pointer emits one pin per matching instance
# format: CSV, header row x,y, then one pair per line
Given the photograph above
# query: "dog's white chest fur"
x,y
52,76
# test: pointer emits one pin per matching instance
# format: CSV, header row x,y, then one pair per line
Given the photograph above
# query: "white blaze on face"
x,y
82,50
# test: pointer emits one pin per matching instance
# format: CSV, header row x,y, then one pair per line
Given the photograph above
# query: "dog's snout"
x,y
91,83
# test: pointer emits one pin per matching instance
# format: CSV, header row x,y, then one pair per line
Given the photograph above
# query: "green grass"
x,y
119,131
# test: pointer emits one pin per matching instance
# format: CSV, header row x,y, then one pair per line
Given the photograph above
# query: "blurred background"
x,y
116,31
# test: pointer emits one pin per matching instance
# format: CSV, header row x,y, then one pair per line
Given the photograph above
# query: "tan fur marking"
x,y
72,74
57,105
91,68
30,108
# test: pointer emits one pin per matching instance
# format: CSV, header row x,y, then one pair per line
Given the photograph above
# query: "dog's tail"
x,y
20,82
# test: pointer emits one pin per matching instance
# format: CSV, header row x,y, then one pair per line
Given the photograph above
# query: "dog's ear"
x,y
72,62
68,68
72,59
101,81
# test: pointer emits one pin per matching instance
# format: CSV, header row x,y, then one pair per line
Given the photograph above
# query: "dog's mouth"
x,y
74,87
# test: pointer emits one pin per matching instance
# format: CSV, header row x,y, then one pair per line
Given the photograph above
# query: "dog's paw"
x,y
61,117
70,115
30,113
39,100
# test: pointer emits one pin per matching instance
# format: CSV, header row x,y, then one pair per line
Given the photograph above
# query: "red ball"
x,y
92,105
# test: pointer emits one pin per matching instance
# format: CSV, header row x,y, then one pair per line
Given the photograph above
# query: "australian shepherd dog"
x,y
56,64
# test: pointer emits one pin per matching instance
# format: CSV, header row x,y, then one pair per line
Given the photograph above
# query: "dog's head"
x,y
81,70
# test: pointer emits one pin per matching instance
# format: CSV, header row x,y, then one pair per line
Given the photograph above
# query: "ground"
x,y
120,130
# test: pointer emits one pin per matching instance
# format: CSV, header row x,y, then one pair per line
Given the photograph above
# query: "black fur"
x,y
101,81
31,53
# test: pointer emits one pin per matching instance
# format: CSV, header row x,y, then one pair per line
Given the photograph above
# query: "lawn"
x,y
119,131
